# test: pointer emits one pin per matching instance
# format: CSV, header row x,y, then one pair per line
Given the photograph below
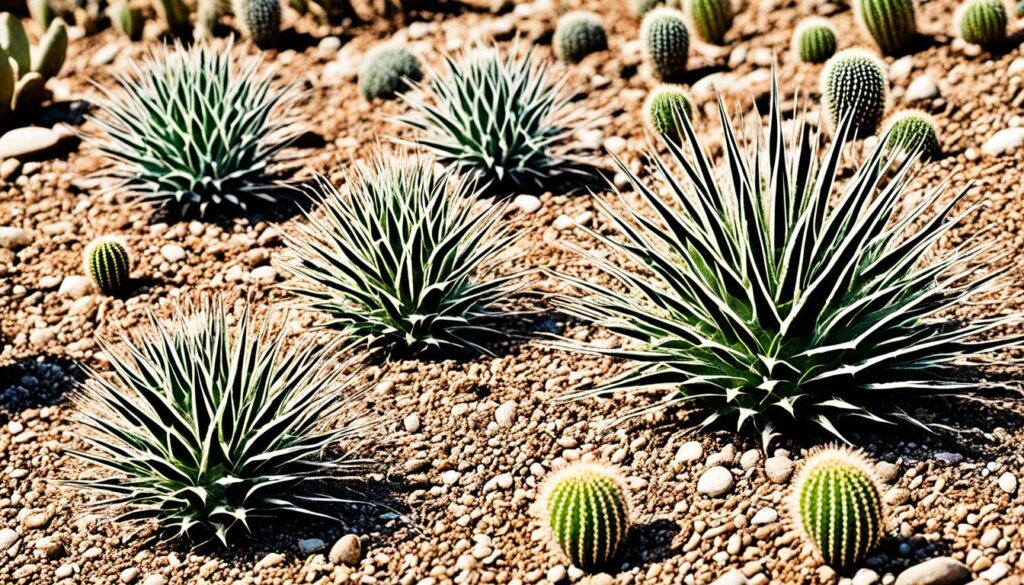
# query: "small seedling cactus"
x,y
912,131
127,20
983,22
175,15
838,503
23,71
891,23
854,84
814,40
387,71
107,264
666,43
42,13
260,20
711,19
664,109
579,34
587,510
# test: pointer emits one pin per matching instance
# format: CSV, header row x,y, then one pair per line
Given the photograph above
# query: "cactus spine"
x,y
260,20
711,19
853,84
127,20
24,72
913,131
891,23
983,22
107,264
666,43
839,506
587,511
664,110
814,40
579,34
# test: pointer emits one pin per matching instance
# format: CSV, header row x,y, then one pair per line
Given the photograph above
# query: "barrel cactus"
x,y
587,510
107,263
711,19
853,83
642,7
127,20
24,70
891,23
983,22
260,20
913,131
664,109
815,40
579,34
837,500
666,43
387,71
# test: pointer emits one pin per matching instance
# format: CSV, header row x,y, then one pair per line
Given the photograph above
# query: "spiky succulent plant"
x,y
402,261
666,43
891,23
814,40
579,34
911,131
194,129
387,70
586,507
107,263
260,20
983,22
711,19
854,84
777,297
664,107
499,118
838,503
208,427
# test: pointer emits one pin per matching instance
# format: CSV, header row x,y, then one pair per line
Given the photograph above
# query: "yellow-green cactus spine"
x,y
579,34
710,18
664,110
815,40
107,263
260,20
891,23
127,20
837,501
587,511
854,84
983,22
912,131
666,43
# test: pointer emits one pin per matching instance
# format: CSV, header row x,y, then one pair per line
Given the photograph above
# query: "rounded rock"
x,y
714,482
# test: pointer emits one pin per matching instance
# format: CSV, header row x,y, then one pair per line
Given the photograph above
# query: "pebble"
x,y
505,413
1016,66
27,141
1000,142
172,252
615,144
949,457
263,275
411,423
886,471
689,452
64,571
922,88
7,538
556,574
527,203
75,286
937,571
13,237
865,577
764,516
346,551
155,580
308,546
778,469
716,481
1008,482
129,575
995,573
9,167
271,560
733,577
750,458
37,520
900,68
563,222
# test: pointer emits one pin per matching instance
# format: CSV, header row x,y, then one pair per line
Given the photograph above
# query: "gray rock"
x,y
346,551
949,457
714,482
27,141
308,546
14,237
937,571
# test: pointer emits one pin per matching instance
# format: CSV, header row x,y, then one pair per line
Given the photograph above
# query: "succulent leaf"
x,y
53,47
14,41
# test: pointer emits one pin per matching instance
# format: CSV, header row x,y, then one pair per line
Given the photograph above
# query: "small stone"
x,y
263,275
865,577
733,577
37,520
9,167
105,55
75,286
778,469
689,452
308,546
995,573
328,47
937,571
990,537
271,560
13,237
411,423
129,575
900,68
750,458
1016,66
346,551
949,457
556,574
7,538
714,482
1008,482
64,571
505,413
27,141
156,579
886,471
527,203
764,516
615,144
172,252
563,222
83,307
1002,141
922,88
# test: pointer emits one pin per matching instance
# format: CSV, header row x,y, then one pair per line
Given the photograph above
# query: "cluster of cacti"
x,y
666,43
107,263
587,511
24,71
711,19
854,85
127,19
891,23
387,71
912,131
983,22
579,34
838,502
815,40
260,20
664,110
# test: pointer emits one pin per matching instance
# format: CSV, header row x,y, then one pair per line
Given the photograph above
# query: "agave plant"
x,y
401,260
207,429
500,119
766,306
196,128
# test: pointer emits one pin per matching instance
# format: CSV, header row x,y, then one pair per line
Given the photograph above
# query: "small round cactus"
x,y
587,510
666,43
983,22
711,19
891,23
260,20
664,110
837,500
642,7
814,40
107,264
127,20
913,131
579,34
853,84
387,70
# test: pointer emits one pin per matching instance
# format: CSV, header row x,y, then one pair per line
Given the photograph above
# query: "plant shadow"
x,y
650,542
34,382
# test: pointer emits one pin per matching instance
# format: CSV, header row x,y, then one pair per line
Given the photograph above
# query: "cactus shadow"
x,y
650,542
37,381
921,42
300,41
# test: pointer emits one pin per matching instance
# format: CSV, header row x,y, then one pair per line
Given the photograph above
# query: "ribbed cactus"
x,y
666,43
260,20
587,511
814,40
983,22
913,130
175,15
579,34
127,20
642,7
386,70
23,71
853,83
41,12
107,264
891,23
711,19
839,506
664,108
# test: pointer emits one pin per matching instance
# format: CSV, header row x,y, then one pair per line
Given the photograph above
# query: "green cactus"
x,y
260,20
710,18
664,108
853,83
642,7
983,22
386,71
814,40
41,12
107,263
587,511
911,131
127,20
839,506
24,72
175,15
891,23
666,43
579,34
